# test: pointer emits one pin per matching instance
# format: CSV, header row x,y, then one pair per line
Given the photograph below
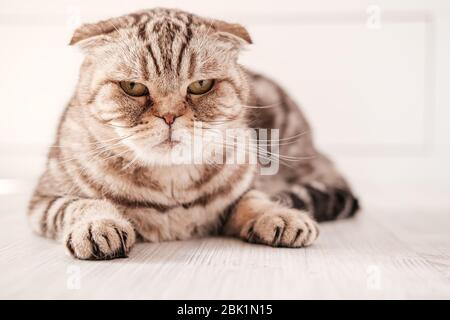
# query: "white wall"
x,y
372,76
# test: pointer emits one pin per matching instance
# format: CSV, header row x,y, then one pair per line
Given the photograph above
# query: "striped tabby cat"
x,y
147,81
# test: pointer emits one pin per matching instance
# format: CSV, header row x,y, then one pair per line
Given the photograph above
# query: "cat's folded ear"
x,y
233,29
94,34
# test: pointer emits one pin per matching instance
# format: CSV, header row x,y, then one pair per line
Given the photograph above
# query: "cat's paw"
x,y
329,203
100,239
324,202
282,227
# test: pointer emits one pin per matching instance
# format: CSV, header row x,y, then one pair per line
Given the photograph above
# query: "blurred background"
x,y
373,78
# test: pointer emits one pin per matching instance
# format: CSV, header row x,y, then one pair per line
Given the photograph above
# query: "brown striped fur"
x,y
109,175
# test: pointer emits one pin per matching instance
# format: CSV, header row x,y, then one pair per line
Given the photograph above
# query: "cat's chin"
x,y
174,152
165,154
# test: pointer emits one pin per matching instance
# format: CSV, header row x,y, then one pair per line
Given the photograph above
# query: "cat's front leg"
x,y
90,229
257,219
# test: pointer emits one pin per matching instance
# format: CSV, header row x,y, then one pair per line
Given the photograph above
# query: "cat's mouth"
x,y
168,143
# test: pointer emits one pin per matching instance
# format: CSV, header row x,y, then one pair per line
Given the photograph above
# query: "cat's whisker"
x,y
259,150
284,141
98,150
91,143
273,142
271,159
278,155
293,138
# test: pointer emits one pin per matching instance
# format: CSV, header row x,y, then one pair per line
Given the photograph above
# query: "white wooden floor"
x,y
380,254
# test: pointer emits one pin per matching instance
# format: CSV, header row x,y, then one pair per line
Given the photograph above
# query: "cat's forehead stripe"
x,y
155,63
173,37
166,35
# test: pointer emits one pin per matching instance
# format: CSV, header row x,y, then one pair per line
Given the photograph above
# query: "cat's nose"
x,y
169,118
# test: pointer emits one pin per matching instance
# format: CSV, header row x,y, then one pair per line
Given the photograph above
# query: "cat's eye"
x,y
200,86
134,89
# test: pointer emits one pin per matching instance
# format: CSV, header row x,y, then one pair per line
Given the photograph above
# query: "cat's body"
x,y
109,177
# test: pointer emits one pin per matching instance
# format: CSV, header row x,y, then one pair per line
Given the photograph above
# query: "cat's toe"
x,y
101,239
282,228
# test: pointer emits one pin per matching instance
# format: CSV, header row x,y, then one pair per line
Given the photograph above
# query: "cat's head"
x,y
154,75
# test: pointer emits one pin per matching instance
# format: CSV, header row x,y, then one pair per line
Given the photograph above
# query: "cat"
x,y
148,80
